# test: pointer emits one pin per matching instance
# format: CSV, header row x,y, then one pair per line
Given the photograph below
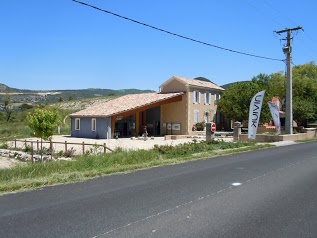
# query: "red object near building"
x,y
213,127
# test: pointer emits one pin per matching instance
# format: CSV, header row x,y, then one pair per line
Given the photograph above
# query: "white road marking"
x,y
236,184
198,199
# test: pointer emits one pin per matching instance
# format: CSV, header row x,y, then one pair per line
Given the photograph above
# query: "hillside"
x,y
53,96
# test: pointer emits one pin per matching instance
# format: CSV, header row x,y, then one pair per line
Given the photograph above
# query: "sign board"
x,y
176,127
169,126
213,127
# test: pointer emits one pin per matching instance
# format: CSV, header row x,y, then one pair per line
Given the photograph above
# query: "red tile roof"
x,y
123,104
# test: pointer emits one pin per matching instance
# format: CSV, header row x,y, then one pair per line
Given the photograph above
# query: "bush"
x,y
4,145
200,126
69,153
27,148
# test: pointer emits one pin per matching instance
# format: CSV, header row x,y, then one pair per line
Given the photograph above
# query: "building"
x,y
175,110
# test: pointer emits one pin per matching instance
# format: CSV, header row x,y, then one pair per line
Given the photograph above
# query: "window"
x,y
93,124
207,98
77,124
196,117
196,95
217,97
206,117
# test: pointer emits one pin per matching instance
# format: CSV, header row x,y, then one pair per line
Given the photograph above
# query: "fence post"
x,y
83,147
51,149
104,148
65,146
37,146
32,152
15,143
25,145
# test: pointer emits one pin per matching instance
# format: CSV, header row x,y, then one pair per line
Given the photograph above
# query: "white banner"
x,y
254,114
276,116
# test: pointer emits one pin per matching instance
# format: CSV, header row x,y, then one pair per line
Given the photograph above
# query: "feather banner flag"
x,y
254,114
276,116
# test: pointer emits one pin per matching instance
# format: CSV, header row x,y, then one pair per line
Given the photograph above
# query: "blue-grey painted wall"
x,y
103,128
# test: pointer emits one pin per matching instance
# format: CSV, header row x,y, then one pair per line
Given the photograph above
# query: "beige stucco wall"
x,y
183,112
173,86
201,107
174,113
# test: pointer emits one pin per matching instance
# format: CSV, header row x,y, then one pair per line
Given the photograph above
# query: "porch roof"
x,y
124,104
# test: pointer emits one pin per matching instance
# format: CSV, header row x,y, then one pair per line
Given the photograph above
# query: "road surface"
x,y
267,193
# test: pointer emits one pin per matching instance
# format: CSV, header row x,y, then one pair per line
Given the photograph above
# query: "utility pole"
x,y
289,88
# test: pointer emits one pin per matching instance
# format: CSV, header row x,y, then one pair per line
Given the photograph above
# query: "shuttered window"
x,y
77,124
93,124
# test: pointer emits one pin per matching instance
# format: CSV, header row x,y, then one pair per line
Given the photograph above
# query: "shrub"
x,y
27,148
4,145
69,153
200,126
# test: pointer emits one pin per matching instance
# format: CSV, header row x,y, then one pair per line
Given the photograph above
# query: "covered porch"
x,y
132,122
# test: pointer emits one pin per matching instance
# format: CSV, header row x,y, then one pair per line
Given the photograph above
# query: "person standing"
x,y
145,132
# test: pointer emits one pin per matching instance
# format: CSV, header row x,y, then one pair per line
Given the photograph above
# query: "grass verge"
x,y
36,175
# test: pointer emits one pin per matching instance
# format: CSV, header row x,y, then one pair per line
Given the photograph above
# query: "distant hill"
x,y
6,89
204,79
52,96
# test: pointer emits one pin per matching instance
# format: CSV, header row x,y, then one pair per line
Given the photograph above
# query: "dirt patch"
x,y
8,162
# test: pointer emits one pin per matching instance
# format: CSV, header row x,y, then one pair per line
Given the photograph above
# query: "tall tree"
x,y
305,94
235,101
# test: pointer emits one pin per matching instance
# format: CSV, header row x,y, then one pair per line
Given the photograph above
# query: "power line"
x,y
175,34
308,37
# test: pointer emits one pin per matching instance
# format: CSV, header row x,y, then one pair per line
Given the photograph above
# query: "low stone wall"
x,y
308,134
311,132
176,137
263,129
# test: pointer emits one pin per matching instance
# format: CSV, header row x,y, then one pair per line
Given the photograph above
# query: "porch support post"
x,y
113,123
137,123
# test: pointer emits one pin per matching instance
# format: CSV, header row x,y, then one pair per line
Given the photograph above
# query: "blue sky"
x,y
60,44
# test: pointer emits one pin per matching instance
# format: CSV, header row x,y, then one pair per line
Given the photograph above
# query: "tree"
x,y
305,94
235,100
43,122
7,106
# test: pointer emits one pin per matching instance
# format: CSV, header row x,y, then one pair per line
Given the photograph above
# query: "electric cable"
x,y
175,34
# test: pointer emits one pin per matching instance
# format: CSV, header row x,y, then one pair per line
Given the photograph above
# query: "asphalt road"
x,y
267,193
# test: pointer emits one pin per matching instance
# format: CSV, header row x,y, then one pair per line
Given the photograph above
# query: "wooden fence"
x,y
66,144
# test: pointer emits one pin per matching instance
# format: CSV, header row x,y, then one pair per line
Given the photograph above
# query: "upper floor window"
x,y
217,97
207,98
77,124
196,96
93,124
